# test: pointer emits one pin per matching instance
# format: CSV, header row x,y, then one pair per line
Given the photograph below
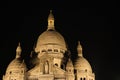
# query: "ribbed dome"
x,y
50,37
82,64
16,64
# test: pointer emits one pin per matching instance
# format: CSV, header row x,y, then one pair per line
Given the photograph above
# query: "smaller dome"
x,y
69,63
82,64
16,64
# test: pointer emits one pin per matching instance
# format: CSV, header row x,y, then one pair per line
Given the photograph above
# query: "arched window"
x,y
80,78
49,49
43,50
84,79
10,72
55,50
69,70
50,21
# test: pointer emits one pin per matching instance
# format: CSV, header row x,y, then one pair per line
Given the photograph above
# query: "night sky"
x,y
89,22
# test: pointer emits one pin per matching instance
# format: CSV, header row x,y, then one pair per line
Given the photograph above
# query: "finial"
x,y
79,49
69,59
50,21
50,11
69,64
18,48
50,17
18,51
79,45
78,42
19,44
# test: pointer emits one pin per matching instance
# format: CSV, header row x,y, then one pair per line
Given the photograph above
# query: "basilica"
x,y
51,60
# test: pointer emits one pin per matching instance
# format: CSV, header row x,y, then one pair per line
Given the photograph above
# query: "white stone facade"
x,y
52,60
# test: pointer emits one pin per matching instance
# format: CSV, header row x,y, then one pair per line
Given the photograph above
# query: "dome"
x,y
16,64
69,63
82,64
50,37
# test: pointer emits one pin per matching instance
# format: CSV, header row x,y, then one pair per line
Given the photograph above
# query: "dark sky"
x,y
90,22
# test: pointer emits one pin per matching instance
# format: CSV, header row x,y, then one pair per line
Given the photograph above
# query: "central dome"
x,y
50,38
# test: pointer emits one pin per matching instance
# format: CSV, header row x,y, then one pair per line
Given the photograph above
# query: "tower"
x,y
70,70
16,70
83,70
51,42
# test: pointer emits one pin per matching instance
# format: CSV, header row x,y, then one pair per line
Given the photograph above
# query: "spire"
x,y
69,60
18,51
69,63
50,21
79,49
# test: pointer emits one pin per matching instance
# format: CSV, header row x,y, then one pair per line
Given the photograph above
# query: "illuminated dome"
x,y
81,63
16,64
50,38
